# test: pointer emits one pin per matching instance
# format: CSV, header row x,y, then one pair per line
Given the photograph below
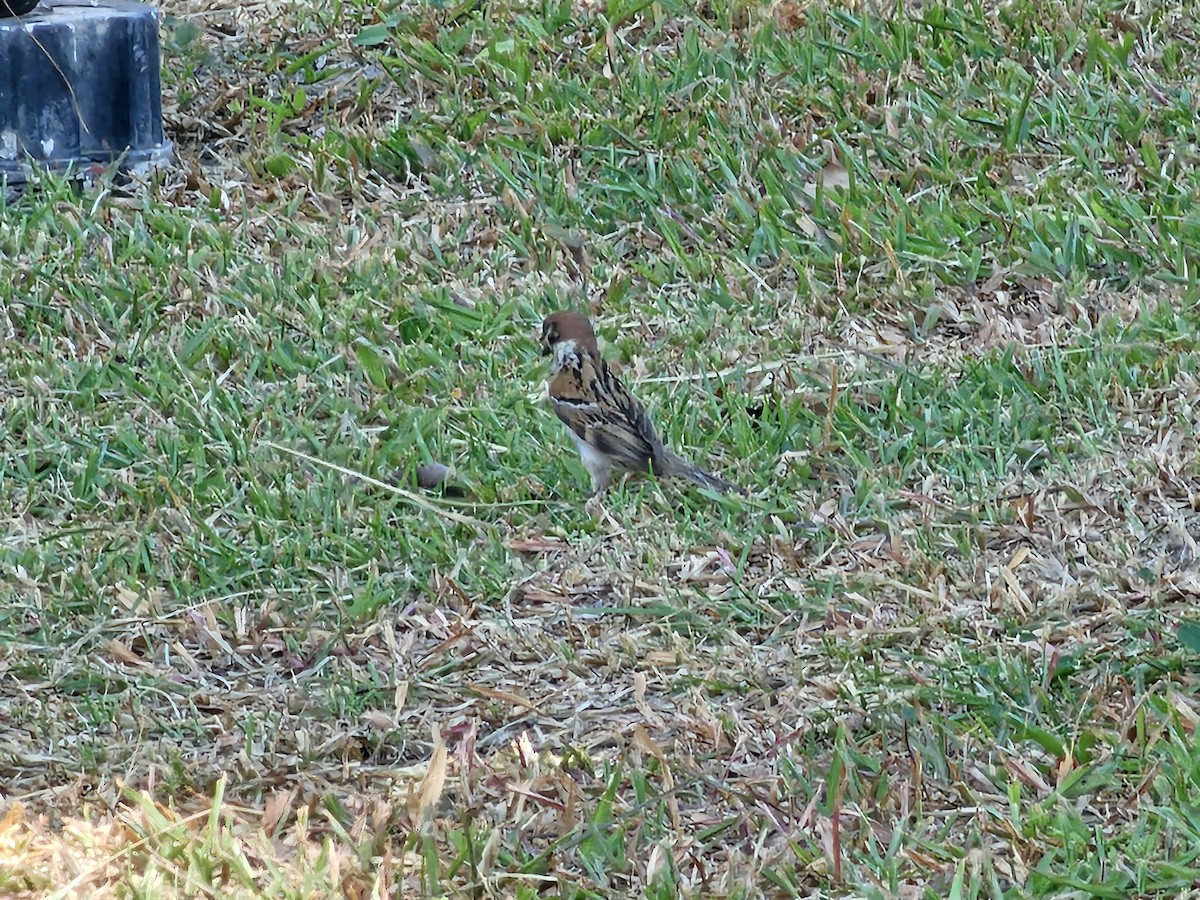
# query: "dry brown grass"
x,y
964,662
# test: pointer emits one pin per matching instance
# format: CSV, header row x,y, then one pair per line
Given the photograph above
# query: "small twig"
x,y
843,351
415,499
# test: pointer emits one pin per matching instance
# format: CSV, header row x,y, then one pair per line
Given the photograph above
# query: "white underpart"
x,y
596,463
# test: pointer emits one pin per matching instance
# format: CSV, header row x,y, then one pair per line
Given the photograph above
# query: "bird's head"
x,y
564,326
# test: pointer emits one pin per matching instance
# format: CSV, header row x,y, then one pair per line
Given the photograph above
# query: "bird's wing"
x,y
595,405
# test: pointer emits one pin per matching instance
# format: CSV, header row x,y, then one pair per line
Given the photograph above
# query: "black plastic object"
x,y
79,88
16,7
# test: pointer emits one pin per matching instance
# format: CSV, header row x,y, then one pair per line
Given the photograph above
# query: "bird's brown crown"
x,y
568,326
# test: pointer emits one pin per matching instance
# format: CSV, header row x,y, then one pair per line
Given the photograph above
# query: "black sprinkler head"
x,y
16,7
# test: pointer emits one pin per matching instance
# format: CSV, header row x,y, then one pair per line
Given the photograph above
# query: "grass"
x,y
921,279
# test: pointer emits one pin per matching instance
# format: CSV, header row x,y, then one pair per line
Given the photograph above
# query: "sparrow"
x,y
607,423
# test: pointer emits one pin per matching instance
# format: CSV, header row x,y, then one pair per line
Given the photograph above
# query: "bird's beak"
x,y
539,335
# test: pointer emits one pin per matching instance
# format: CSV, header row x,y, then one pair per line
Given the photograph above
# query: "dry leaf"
x,y
434,781
537,543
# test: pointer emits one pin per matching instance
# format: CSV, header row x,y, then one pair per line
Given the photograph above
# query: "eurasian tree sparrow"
x,y
609,426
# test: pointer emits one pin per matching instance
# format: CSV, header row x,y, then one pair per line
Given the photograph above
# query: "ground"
x,y
920,277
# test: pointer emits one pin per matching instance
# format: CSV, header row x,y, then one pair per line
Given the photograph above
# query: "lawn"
x,y
922,278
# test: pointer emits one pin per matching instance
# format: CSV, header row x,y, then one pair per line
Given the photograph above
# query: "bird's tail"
x,y
674,466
